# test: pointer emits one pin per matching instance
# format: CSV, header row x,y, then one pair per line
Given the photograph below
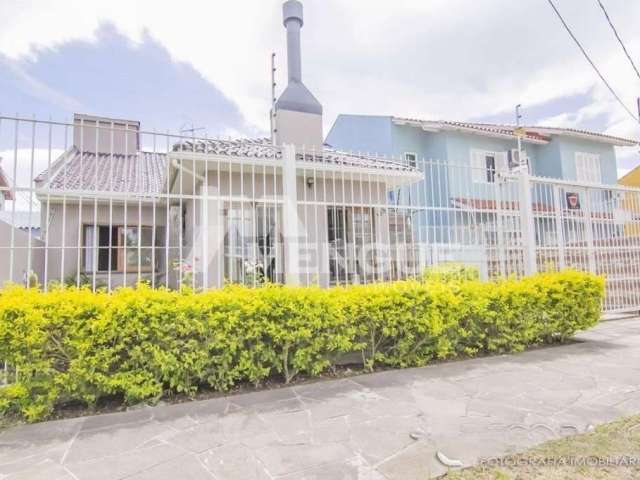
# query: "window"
x,y
350,233
410,158
336,217
588,168
485,165
114,248
252,244
490,164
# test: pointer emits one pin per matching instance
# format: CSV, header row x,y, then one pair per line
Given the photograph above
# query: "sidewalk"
x,y
386,425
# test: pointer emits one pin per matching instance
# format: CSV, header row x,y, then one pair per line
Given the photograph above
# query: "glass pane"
x,y
147,237
239,241
107,236
145,258
146,240
131,237
491,168
103,260
89,231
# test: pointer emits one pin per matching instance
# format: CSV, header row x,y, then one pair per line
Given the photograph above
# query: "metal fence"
x,y
594,228
8,374
101,202
517,224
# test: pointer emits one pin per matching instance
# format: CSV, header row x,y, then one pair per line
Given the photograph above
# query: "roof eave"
x,y
57,195
381,172
484,133
432,126
594,137
427,126
216,157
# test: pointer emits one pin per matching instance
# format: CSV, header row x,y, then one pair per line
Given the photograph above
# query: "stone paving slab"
x,y
387,425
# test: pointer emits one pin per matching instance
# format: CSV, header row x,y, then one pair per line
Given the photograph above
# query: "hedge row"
x,y
74,345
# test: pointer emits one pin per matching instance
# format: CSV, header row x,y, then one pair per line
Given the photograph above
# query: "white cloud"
x,y
42,90
28,163
436,59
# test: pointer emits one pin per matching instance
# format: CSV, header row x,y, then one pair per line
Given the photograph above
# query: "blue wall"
x,y
362,133
547,162
608,165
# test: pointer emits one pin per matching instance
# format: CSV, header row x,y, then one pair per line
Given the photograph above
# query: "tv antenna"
x,y
184,129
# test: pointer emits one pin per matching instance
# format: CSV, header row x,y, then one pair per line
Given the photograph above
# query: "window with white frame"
x,y
116,249
588,167
485,165
410,158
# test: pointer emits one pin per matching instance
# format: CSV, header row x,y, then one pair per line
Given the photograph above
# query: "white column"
x,y
588,228
290,221
527,225
559,226
212,237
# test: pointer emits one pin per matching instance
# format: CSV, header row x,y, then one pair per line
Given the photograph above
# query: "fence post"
x,y
588,229
290,216
560,241
527,224
501,244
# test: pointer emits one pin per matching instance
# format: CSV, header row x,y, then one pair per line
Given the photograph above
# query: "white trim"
x,y
415,158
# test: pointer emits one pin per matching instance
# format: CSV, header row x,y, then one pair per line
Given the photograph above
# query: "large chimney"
x,y
298,113
106,135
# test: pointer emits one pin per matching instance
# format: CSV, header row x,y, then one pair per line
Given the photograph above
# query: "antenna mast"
x,y
520,134
272,115
184,130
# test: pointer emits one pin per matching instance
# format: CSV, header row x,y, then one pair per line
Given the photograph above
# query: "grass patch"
x,y
588,456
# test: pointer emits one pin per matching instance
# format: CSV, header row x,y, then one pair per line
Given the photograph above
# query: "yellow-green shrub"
x,y
451,272
71,344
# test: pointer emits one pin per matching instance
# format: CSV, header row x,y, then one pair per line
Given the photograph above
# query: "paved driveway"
x,y
382,426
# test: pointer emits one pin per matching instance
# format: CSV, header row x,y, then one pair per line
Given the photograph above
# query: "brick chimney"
x,y
105,135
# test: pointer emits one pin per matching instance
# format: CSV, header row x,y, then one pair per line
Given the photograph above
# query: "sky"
x,y
206,64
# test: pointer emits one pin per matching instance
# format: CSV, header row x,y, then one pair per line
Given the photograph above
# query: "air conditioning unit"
x,y
515,160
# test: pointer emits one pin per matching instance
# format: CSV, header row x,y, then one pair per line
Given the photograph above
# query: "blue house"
x,y
561,153
462,200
